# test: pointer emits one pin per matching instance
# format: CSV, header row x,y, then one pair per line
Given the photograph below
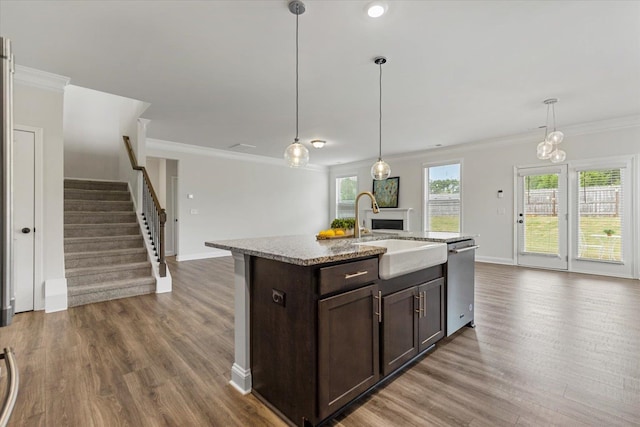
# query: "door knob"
x,y
26,230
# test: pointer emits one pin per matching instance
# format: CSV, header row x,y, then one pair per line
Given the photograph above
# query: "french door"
x,y
541,217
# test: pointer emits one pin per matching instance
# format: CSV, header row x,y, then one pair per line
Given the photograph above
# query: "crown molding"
x,y
178,147
40,79
523,138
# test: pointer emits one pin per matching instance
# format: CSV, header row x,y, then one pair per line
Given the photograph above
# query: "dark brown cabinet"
x,y
413,320
431,318
322,335
347,347
399,329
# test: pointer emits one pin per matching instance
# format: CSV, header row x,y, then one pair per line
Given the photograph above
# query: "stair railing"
x,y
153,214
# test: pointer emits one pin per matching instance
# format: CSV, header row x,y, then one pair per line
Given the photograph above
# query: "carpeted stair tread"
x,y
73,205
101,230
105,225
95,185
107,291
83,271
93,217
97,254
101,238
114,284
83,194
105,257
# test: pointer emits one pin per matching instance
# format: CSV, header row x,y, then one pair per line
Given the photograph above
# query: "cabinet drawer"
x,y
348,275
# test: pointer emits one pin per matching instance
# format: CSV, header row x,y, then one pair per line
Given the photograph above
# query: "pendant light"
x,y
380,169
548,148
296,155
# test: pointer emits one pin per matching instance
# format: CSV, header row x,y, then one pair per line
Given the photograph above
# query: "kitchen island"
x,y
308,319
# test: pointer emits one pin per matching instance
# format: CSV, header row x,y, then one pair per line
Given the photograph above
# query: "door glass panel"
x,y
540,231
600,214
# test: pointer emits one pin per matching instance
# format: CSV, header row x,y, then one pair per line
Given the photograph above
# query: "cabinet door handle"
x,y
419,298
423,300
352,275
379,313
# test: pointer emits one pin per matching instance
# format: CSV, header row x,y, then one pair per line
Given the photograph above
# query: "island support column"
x,y
241,369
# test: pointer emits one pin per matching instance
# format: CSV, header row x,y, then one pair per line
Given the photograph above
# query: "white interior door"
x,y
174,219
24,218
541,217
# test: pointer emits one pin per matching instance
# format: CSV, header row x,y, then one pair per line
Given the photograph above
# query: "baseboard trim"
x,y
203,255
55,295
495,260
241,379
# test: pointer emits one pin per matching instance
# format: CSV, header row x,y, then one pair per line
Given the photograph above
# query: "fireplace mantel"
x,y
389,213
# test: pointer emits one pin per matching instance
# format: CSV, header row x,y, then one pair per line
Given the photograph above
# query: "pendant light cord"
x,y
546,125
553,109
380,123
297,16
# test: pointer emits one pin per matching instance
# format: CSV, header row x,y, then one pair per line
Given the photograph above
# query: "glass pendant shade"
x,y
555,137
548,149
545,148
558,156
380,170
296,155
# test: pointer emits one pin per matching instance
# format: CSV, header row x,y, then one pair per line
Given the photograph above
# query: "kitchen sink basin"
x,y
407,256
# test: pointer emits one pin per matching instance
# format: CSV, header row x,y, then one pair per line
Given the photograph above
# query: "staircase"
x,y
105,255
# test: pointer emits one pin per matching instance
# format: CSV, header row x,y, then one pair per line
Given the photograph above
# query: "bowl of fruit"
x,y
340,228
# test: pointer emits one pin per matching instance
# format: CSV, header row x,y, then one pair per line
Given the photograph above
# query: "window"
x,y
601,214
442,197
346,192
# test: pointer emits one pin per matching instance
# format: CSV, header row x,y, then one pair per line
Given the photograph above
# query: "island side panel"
x,y
283,344
241,369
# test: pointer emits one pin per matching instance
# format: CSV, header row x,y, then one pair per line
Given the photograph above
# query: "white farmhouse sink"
x,y
407,256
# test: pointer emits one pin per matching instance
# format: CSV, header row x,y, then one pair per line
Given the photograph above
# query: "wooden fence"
x,y
593,201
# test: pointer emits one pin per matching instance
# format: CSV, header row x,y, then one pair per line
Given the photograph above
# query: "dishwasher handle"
x,y
468,248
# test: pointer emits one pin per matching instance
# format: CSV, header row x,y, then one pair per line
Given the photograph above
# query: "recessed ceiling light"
x,y
376,9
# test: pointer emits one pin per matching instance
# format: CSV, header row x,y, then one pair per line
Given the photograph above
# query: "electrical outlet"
x,y
279,297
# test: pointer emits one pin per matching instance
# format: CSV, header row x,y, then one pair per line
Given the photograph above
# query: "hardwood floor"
x,y
549,349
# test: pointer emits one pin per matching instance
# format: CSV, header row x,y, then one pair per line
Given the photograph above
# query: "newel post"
x,y
163,265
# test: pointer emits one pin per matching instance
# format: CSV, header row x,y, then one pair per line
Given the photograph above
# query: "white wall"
x,y
239,196
94,123
42,108
488,167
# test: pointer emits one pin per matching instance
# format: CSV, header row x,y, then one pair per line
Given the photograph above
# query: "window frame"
x,y
425,191
337,191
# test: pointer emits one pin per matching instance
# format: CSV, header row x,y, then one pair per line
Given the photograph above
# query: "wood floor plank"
x,y
550,348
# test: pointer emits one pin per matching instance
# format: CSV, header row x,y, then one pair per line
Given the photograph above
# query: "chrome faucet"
x,y
374,206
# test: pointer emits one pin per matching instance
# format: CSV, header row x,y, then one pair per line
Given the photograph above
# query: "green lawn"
x,y
445,223
542,237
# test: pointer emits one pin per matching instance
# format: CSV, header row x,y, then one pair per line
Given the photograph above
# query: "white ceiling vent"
x,y
242,147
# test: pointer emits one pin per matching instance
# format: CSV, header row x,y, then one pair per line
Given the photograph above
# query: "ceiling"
x,y
219,73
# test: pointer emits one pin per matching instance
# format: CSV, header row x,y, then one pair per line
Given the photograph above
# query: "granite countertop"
x,y
306,250
300,250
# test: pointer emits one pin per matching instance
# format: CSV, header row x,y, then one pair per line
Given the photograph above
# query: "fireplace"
x,y
388,219
387,224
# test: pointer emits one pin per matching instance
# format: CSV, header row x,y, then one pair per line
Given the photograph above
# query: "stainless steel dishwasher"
x,y
460,284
